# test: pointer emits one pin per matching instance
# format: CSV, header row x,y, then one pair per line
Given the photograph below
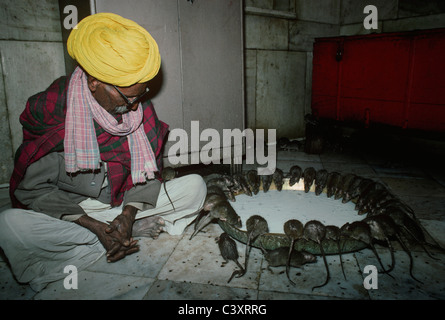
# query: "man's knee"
x,y
10,225
196,183
8,219
21,225
194,187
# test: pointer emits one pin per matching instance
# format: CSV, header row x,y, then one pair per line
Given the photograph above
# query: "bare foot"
x,y
148,227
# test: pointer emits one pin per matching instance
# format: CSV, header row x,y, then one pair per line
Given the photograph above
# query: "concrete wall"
x,y
31,54
279,37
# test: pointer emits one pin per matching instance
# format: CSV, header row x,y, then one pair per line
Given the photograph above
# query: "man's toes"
x,y
161,221
148,227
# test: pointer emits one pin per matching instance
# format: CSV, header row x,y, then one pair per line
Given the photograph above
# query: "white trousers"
x,y
38,246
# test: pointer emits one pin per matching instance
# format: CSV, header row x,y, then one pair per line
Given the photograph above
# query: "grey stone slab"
x,y
409,8
199,261
10,289
402,286
318,10
4,192
264,4
415,23
28,68
280,92
298,156
212,64
5,202
30,20
311,275
283,5
435,229
358,29
308,88
352,10
342,157
395,170
250,66
274,295
265,33
98,286
147,262
166,289
6,156
361,170
414,187
426,207
372,158
302,34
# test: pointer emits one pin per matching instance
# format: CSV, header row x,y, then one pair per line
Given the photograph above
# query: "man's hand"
x,y
123,225
117,246
112,242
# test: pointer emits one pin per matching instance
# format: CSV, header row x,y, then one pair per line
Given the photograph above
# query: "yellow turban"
x,y
114,49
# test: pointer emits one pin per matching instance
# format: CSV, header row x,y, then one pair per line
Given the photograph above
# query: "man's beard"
x,y
120,110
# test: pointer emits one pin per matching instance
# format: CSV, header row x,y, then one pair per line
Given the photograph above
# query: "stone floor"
x,y
174,267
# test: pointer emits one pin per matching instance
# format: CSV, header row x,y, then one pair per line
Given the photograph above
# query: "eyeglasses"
x,y
130,103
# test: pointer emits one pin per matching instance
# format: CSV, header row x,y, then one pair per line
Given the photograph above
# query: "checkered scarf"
x,y
81,146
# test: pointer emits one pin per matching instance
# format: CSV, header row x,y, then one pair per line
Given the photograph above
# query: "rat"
x,y
279,257
241,185
214,196
343,185
254,180
331,184
277,178
333,233
256,226
411,228
225,183
360,231
309,177
295,173
222,211
294,230
321,179
353,189
229,251
315,231
267,181
382,227
366,193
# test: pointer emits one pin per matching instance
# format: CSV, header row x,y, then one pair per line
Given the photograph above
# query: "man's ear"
x,y
93,83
